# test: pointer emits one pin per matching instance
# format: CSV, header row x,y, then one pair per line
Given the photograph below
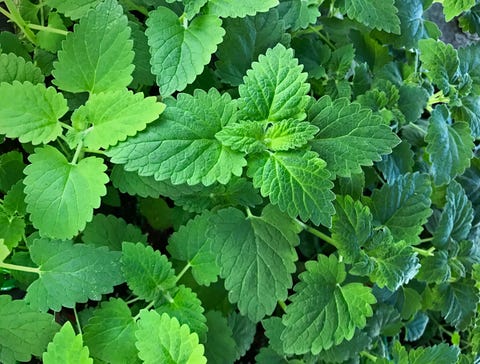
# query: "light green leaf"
x,y
453,8
299,14
256,256
297,182
323,312
181,145
403,206
62,201
110,333
289,134
190,244
161,339
180,52
220,347
14,200
379,14
4,251
34,116
15,68
98,55
67,348
350,136
12,229
110,117
74,9
71,273
23,331
50,41
147,272
275,88
192,7
111,231
245,136
234,9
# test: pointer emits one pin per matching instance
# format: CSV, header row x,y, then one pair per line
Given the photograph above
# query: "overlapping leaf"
x,y
61,201
180,52
67,348
11,169
245,136
220,346
379,14
15,68
299,14
453,8
234,9
74,9
192,7
98,55
34,116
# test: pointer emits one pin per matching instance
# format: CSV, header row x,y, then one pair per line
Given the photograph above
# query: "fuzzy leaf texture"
x,y
234,9
67,348
160,338
110,333
244,136
379,14
350,136
147,272
180,52
110,117
256,256
23,331
62,201
71,273
98,55
274,89
34,116
323,312
181,145
297,182
449,146
15,68
289,134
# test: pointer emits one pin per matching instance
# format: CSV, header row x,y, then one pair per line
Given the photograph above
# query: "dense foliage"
x,y
275,181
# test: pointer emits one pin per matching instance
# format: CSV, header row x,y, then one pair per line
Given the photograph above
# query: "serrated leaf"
x,y
273,330
412,23
67,348
470,63
12,229
34,117
62,201
245,39
97,56
350,136
192,7
23,330
15,68
74,9
453,8
399,162
245,136
110,333
347,349
274,88
234,9
180,52
440,354
14,200
441,62
147,272
111,231
220,347
449,146
110,117
297,182
11,169
403,206
162,339
469,111
243,332
379,14
289,134
435,269
256,256
4,251
323,312
141,74
299,14
71,273
191,244
181,145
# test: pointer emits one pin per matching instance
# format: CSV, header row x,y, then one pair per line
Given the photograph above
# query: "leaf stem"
x,y
133,300
183,271
282,305
77,153
47,29
20,268
317,233
147,307
369,356
14,15
426,240
77,321
423,252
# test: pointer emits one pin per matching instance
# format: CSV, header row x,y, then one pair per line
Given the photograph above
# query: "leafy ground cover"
x,y
291,181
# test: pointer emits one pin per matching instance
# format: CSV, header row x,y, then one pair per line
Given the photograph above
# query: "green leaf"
x,y
470,63
435,269
97,56
14,201
448,145
74,9
141,74
469,111
67,348
439,354
50,41
299,14
403,206
11,169
274,89
34,117
192,7
180,52
71,273
147,272
23,331
62,201
289,134
256,256
245,136
273,329
110,333
243,332
113,116
15,68
441,62
220,347
413,26
379,14
161,339
323,312
399,162
412,102
4,251
235,9
181,145
245,39
347,349
111,231
297,182
453,8
190,244
12,229
350,136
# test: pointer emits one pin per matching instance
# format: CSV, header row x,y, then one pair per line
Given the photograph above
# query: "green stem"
x,y
133,300
147,307
183,271
14,15
426,240
369,356
317,233
79,327
20,268
283,306
322,37
77,153
423,252
93,151
47,29
437,98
